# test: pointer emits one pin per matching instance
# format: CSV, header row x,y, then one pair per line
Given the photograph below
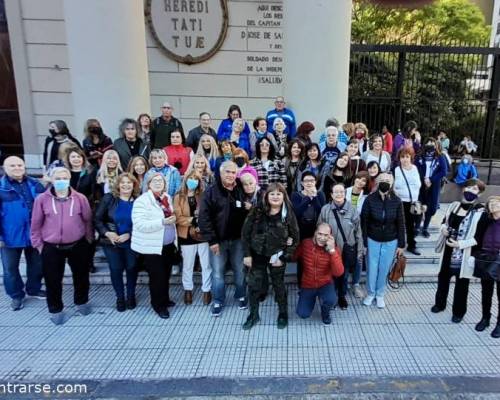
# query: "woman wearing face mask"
x,y
340,173
294,157
113,221
154,236
200,165
240,158
432,167
129,144
373,173
281,137
461,234
58,134
383,227
269,170
356,164
491,246
158,161
361,135
177,153
61,230
109,171
186,206
208,147
96,143
377,153
138,166
270,236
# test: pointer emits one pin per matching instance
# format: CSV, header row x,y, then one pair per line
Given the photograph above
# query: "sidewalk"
x,y
404,340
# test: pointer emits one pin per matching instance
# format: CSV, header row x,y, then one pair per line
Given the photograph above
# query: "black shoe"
x,y
413,250
426,234
171,303
164,314
251,321
483,324
282,321
436,309
343,303
120,305
131,303
496,332
325,315
262,297
456,320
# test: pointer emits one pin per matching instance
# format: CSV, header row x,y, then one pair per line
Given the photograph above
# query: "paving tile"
x,y
417,335
308,336
132,364
382,335
25,338
194,337
9,318
309,361
149,337
391,361
227,336
67,338
373,315
10,360
352,361
177,363
200,314
349,316
405,314
108,338
403,296
41,365
265,362
267,336
348,335
436,361
86,364
226,361
424,295
458,335
476,360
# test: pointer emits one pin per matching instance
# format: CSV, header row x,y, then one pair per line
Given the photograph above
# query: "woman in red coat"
x,y
178,154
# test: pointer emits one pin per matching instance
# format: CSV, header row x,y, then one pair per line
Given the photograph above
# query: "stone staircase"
x,y
423,268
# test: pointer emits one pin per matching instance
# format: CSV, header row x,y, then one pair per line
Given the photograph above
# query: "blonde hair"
x,y
191,168
362,126
104,174
491,199
157,152
214,149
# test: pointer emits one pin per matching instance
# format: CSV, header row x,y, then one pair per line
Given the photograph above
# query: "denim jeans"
x,y
307,299
122,259
380,259
13,282
231,250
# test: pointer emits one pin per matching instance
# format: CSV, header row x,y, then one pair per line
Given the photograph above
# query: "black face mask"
x,y
52,132
429,148
95,130
240,162
384,187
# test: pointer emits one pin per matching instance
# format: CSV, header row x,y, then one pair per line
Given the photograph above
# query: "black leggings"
x,y
159,268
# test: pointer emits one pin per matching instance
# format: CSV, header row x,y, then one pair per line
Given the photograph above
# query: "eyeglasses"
x,y
309,181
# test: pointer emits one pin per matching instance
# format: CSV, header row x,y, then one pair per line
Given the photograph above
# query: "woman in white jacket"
x,y
154,235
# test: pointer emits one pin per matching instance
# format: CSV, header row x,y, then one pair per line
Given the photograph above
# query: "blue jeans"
x,y
14,285
307,299
231,250
380,259
122,259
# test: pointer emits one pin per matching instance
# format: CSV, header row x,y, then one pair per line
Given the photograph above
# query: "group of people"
x,y
246,200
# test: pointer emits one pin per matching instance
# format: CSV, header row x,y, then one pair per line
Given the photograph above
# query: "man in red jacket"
x,y
321,260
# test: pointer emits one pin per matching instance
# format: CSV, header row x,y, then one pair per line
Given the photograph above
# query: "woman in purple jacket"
x,y
61,229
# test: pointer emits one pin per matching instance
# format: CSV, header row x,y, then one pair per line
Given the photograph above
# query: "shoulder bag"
x,y
416,208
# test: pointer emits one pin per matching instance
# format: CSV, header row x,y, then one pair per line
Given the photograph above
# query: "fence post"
x,y
399,91
491,114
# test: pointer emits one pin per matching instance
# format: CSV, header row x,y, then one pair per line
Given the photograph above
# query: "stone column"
x,y
317,39
108,61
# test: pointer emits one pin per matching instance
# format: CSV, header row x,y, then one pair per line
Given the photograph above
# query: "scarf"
x,y
162,201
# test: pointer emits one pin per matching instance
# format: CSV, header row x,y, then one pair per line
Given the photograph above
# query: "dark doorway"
x,y
11,140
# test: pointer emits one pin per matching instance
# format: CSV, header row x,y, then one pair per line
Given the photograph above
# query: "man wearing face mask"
x,y
461,234
61,229
17,194
58,134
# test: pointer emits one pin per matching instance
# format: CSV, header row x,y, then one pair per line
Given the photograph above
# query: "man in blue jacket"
x,y
17,195
284,113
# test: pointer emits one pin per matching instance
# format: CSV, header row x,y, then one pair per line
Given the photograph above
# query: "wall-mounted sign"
x,y
189,31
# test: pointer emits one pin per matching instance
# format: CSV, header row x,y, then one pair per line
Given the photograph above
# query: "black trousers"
x,y
159,268
53,263
410,221
460,294
487,286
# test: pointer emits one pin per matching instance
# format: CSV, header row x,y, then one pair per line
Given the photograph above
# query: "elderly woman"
x,y
383,227
187,206
269,169
109,171
377,153
159,164
178,154
462,234
61,230
130,144
252,193
113,221
279,127
238,136
270,236
154,236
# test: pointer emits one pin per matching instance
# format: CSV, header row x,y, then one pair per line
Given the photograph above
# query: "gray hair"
x,y
125,123
331,128
332,121
237,120
60,169
276,121
226,164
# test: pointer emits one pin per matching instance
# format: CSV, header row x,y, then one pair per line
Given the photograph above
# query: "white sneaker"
x,y
380,302
357,291
368,300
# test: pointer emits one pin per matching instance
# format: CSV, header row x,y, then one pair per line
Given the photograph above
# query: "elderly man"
x,y
321,260
17,195
221,216
163,126
284,113
195,134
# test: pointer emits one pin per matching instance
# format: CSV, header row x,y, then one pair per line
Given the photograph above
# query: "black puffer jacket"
x,y
222,213
104,219
382,220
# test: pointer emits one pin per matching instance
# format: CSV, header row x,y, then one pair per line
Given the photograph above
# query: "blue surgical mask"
x,y
192,184
61,184
465,161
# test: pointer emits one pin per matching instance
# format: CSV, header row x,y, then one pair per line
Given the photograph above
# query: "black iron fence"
x,y
451,88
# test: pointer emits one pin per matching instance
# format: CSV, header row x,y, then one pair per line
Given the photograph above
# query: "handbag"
x,y
396,276
487,265
416,207
195,234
